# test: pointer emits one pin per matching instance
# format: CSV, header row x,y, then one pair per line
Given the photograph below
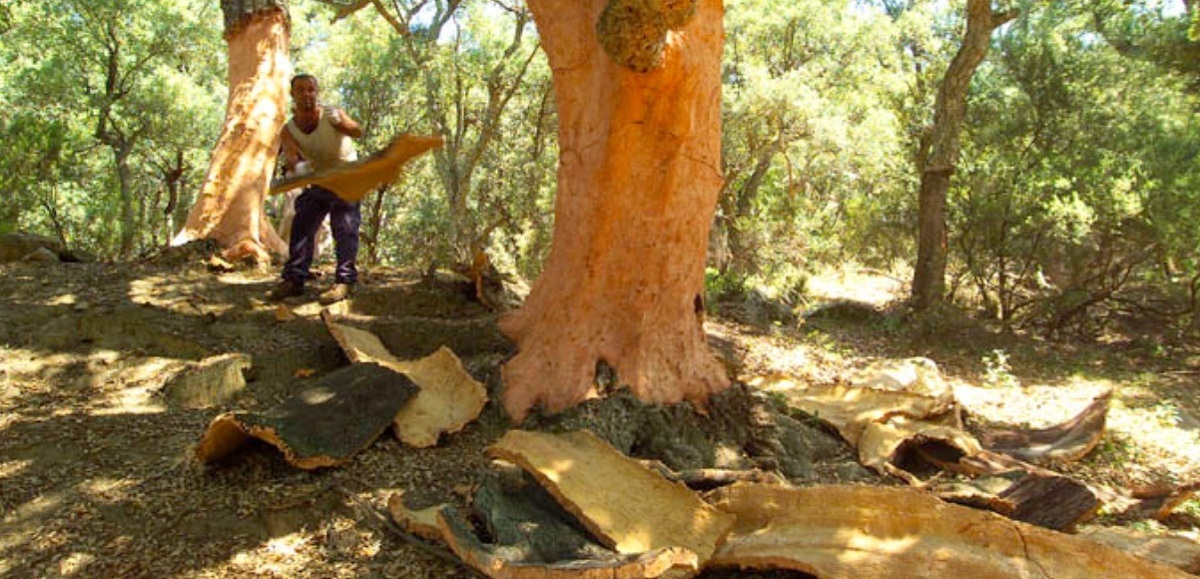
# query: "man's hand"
x,y
335,116
343,123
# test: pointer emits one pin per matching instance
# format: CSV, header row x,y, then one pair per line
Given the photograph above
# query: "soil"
x,y
97,476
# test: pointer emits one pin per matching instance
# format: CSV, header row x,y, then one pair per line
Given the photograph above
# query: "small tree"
x,y
940,150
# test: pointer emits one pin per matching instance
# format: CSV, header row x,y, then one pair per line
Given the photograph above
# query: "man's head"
x,y
304,92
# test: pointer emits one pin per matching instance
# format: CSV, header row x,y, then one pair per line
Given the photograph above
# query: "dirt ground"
x,y
96,470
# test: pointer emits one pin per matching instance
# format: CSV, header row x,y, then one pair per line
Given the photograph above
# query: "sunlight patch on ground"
x,y
63,300
1156,431
23,523
135,400
107,489
1035,406
284,556
75,564
242,278
21,362
855,283
10,468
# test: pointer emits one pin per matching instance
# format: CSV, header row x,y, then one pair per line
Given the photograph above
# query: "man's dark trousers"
x,y
344,218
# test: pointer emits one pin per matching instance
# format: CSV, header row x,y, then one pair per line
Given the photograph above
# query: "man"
x,y
317,138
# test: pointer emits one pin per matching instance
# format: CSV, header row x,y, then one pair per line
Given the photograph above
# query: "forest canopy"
x,y
1073,201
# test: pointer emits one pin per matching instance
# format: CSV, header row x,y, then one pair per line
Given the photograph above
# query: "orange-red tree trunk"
x,y
638,180
230,206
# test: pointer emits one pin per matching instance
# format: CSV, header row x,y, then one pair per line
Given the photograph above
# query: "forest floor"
x,y
96,470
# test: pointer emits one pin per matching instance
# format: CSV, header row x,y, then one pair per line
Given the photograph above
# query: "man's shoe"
x,y
286,289
337,293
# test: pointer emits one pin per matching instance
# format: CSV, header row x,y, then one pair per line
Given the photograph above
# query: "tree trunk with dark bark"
x,y
638,90
938,165
230,205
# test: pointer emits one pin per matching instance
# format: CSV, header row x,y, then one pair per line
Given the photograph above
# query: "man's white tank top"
x,y
326,147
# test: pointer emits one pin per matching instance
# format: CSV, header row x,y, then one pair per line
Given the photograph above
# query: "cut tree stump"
x,y
209,382
322,426
879,532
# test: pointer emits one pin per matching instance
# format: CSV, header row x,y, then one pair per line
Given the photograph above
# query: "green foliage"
x,y
1074,202
1073,188
811,146
997,371
103,95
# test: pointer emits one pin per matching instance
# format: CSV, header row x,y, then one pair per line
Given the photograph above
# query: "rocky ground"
x,y
96,470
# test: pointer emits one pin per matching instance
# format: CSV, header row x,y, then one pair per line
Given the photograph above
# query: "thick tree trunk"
x,y
230,206
929,279
638,180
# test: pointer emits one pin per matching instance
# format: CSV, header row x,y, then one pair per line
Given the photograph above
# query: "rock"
x,y
16,246
41,255
208,383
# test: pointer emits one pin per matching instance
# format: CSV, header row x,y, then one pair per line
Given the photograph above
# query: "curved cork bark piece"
x,y
422,523
861,531
627,507
354,180
1066,442
882,416
442,523
322,426
449,398
1173,550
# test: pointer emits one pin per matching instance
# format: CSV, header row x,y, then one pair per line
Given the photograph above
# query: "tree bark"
x,y
230,206
938,165
638,180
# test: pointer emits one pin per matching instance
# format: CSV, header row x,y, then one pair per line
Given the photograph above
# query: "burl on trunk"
x,y
638,91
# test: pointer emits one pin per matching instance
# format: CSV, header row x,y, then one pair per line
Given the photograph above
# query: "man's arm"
x,y
291,153
343,123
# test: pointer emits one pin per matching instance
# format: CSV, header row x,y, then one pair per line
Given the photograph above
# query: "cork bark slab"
x,y
850,409
325,425
673,562
528,541
422,523
1176,551
880,421
353,181
627,507
880,532
449,397
1069,441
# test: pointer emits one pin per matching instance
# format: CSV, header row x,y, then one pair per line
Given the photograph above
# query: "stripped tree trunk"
x,y
638,89
230,206
929,279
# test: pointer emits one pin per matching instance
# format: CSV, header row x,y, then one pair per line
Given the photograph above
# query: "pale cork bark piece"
x,y
449,398
881,532
627,507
